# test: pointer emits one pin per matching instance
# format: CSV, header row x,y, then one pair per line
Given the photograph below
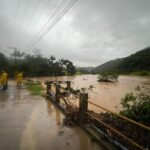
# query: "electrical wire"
x,y
65,10
42,26
15,19
24,14
35,11
49,13
44,20
57,19
39,22
17,8
44,8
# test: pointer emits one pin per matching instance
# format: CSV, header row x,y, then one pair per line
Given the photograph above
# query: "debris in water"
x,y
60,133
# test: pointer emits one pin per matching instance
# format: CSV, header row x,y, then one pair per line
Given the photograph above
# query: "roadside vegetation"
x,y
34,87
136,107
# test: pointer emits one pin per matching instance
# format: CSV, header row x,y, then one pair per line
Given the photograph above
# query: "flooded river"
x,y
107,94
33,123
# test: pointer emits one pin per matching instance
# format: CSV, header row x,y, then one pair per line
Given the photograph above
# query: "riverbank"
x,y
138,73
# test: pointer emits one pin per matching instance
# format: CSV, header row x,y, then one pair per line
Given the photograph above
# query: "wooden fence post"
x,y
57,93
48,87
68,85
83,105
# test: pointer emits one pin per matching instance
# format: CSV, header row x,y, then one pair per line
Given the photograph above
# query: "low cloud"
x,y
91,33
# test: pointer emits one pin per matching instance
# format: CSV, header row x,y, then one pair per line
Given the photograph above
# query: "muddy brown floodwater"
x,y
107,94
33,123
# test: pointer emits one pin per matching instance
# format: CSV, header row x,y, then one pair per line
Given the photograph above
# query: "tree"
x,y
137,107
108,77
36,65
3,62
68,66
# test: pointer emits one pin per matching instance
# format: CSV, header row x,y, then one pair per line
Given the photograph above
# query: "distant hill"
x,y
85,69
109,66
140,61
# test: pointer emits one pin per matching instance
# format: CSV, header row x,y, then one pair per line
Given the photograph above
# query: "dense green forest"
x,y
36,65
138,62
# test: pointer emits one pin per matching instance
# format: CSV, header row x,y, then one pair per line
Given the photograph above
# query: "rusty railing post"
x,y
57,93
83,105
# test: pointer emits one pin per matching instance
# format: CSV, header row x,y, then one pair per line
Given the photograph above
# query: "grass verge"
x,y
34,88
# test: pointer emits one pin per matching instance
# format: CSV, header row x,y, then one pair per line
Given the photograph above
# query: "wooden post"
x,y
48,87
83,105
57,93
68,85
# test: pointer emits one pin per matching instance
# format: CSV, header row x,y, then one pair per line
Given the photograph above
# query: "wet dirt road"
x,y
33,123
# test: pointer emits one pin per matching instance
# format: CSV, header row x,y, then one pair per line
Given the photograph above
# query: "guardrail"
x,y
123,137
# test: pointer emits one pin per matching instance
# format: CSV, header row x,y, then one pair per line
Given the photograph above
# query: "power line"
x,y
30,3
24,14
15,18
43,8
65,10
48,12
17,8
36,6
46,4
15,53
51,14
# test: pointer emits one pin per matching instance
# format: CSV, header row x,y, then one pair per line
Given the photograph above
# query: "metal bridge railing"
x,y
117,132
130,140
121,116
83,110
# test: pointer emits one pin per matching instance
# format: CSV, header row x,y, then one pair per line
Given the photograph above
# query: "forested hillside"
x,y
140,61
109,66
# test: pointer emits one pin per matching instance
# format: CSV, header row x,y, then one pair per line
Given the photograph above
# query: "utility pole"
x,y
15,54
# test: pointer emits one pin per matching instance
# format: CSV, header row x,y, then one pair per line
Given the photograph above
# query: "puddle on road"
x,y
33,123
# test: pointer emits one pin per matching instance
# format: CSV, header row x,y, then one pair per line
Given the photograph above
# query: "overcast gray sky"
x,y
91,32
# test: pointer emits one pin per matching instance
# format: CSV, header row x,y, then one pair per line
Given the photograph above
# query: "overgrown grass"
x,y
34,88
